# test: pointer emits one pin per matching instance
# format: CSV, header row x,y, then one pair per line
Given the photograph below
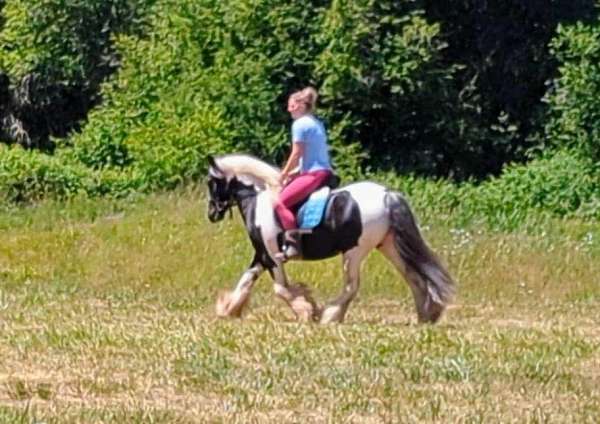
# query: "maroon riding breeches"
x,y
297,191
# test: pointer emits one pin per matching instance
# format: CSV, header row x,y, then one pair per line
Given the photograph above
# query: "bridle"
x,y
222,206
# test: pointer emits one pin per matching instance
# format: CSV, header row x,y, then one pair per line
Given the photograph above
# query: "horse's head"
x,y
219,192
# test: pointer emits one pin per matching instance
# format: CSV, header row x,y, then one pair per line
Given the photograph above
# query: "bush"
x,y
574,116
241,59
28,175
156,122
198,86
382,81
561,184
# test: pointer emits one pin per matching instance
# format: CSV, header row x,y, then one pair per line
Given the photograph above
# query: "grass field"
x,y
107,315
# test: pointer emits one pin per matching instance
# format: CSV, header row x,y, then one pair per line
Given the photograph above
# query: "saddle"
x,y
311,213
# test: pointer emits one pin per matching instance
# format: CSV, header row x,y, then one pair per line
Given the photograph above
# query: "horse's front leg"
x,y
297,296
231,303
336,310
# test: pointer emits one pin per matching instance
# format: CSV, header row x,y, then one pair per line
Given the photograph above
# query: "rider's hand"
x,y
283,178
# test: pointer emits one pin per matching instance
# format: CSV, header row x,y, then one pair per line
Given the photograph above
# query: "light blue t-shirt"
x,y
311,132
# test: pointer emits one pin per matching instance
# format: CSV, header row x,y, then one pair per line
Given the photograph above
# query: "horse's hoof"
x,y
229,305
331,314
303,304
303,309
223,302
432,315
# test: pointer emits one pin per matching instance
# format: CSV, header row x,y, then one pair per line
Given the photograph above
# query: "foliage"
x,y
398,90
381,76
249,57
561,184
407,88
574,116
29,175
156,121
56,53
185,93
66,41
497,114
255,54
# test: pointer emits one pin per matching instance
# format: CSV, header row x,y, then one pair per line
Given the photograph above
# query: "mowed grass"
x,y
107,315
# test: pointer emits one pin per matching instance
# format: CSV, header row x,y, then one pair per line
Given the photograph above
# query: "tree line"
x,y
145,88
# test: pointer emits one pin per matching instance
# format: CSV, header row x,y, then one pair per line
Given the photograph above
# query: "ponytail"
x,y
308,96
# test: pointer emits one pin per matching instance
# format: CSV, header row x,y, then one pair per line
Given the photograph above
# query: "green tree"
x,y
56,53
574,100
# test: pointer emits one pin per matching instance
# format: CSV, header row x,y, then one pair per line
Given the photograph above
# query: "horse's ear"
x,y
211,161
214,168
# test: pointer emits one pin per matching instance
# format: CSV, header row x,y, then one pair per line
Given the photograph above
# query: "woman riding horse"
x,y
311,153
358,218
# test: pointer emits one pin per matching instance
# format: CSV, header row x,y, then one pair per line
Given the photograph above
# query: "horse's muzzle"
x,y
216,211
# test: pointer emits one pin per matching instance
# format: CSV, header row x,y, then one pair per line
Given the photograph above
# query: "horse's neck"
x,y
245,197
257,208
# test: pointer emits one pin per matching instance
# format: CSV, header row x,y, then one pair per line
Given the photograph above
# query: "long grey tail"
x,y
434,279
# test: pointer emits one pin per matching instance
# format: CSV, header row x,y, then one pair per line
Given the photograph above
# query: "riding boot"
x,y
292,245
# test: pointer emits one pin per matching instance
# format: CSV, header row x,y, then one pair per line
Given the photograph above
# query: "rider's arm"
x,y
293,160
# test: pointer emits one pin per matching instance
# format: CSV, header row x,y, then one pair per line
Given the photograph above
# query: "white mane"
x,y
250,170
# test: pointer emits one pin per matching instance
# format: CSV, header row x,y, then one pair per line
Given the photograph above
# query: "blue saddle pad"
x,y
311,213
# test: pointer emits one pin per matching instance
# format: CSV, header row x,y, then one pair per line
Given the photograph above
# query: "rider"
x,y
311,153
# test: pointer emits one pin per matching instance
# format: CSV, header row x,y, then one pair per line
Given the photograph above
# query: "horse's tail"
x,y
432,285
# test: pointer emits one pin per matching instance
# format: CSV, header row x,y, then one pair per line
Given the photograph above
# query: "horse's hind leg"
x,y
427,311
336,310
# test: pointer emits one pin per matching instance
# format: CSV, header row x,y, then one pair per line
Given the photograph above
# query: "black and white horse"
x,y
358,218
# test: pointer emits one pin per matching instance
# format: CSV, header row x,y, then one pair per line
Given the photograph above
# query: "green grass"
x,y
106,315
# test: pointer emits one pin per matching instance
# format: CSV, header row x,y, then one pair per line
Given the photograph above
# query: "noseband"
x,y
223,206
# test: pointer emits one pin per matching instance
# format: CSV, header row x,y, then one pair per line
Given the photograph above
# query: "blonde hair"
x,y
308,96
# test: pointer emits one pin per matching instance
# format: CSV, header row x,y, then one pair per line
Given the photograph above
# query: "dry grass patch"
x,y
106,315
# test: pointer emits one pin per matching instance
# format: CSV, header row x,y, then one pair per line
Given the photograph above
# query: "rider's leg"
x,y
291,195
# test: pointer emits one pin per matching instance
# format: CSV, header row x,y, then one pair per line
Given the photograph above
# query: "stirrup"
x,y
291,247
289,252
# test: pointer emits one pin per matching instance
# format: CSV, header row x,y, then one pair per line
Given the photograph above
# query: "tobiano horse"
x,y
358,218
